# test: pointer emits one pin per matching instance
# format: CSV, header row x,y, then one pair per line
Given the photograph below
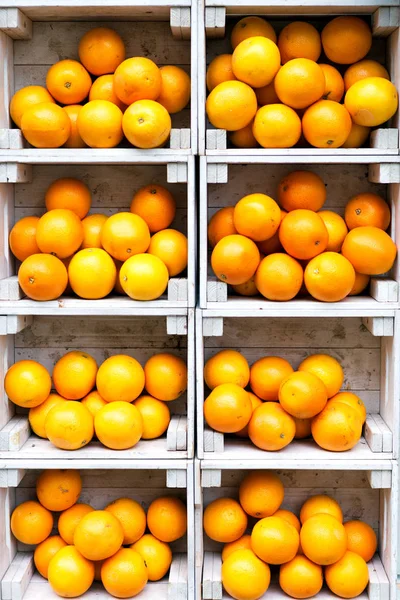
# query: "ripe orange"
x,y
224,520
98,535
334,84
137,78
38,414
103,89
31,523
244,575
74,140
271,428
323,539
361,539
301,578
256,61
251,27
279,277
42,277
303,234
166,376
303,428
243,543
329,277
120,378
92,273
257,216
124,575
155,416
299,40
346,40
175,88
261,493
227,366
124,235
144,277
303,395
167,518
274,540
68,82
337,229
277,126
327,369
367,210
70,194
155,205
371,101
337,428
92,227
231,105
146,124
326,124
69,520
74,374
156,555
300,82
228,408
70,574
100,124
27,383
93,402
267,94
219,70
45,551
59,232
22,238
362,70
220,225
131,516
46,125
248,288
301,189
266,376
69,425
101,50
58,489
352,400
119,425
235,259
171,246
243,138
370,250
357,137
288,516
25,98
348,577
320,504
360,284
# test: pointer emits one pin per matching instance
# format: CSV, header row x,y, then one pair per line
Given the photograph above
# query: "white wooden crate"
x,y
367,348
22,191
353,489
216,19
19,581
34,35
46,339
225,180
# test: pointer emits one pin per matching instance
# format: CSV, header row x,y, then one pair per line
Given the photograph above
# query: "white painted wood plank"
x,y
15,24
181,437
19,434
6,583
385,20
22,577
384,173
387,436
383,139
216,139
384,290
10,290
172,432
379,326
382,577
217,580
208,575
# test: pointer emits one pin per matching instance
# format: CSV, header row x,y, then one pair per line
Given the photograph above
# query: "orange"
x,y
371,101
235,259
125,234
125,574
22,238
167,519
59,232
69,425
131,517
46,125
266,376
74,374
250,27
103,89
337,229
120,378
303,395
97,569
93,402
279,277
276,126
323,539
303,234
255,403
271,428
231,105
227,366
175,88
299,83
303,428
224,520
144,277
137,78
25,98
101,50
360,284
346,40
171,246
156,555
301,578
261,493
118,289
68,82
267,94
273,244
288,516
38,414
166,376
357,137
327,369
337,428
92,227
42,277
69,520
98,535
348,577
100,124
362,70
220,225
219,70
326,124
367,210
334,84
70,194
329,277
58,489
146,124
301,189
27,383
320,504
119,425
74,140
243,543
31,523
243,138
299,40
45,551
92,273
257,216
228,408
248,288
256,61
245,576
361,539
274,540
70,574
155,205
155,416
352,400
370,250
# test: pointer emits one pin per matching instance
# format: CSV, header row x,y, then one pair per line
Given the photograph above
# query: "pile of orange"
x,y
293,248
133,253
109,545
317,546
282,91
101,99
272,404
120,402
